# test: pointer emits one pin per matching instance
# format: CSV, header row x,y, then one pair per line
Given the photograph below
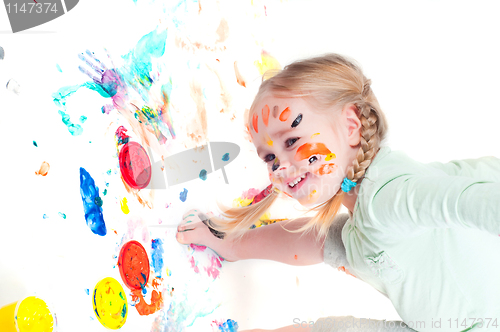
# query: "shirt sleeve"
x,y
410,202
485,168
353,324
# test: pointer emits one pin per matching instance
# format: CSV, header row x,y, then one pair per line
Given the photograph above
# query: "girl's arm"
x,y
486,168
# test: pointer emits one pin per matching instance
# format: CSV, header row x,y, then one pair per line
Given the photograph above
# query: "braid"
x,y
370,140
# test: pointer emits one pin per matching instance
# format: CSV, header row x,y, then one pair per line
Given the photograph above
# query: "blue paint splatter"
x,y
225,157
157,256
183,195
93,212
34,143
203,174
87,291
229,326
58,68
45,216
83,118
62,215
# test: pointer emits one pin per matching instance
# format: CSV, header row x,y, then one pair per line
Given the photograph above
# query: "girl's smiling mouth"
x,y
296,183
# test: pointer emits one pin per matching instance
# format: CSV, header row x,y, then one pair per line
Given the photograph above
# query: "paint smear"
x,y
198,248
133,264
325,169
267,62
270,142
239,77
314,135
183,195
203,174
330,156
157,256
121,135
33,315
265,115
93,213
34,143
307,150
225,157
62,215
285,114
124,206
215,264
275,111
110,303
255,123
227,326
45,216
144,308
44,169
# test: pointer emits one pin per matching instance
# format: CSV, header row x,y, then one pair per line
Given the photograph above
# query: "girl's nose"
x,y
283,167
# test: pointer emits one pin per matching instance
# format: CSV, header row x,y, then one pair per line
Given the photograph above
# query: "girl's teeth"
x,y
293,183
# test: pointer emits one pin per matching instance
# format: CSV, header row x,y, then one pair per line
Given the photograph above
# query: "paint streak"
x,y
45,216
168,272
74,129
34,143
157,256
183,195
133,264
307,150
255,123
285,114
110,303
239,77
314,135
227,326
197,248
325,169
213,269
203,174
275,111
198,126
265,115
32,315
225,157
194,265
44,169
121,136
330,156
62,215
124,206
93,213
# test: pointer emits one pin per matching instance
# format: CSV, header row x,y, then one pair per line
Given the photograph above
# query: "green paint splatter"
x,y
34,143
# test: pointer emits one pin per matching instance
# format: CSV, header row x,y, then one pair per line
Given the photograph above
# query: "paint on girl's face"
x,y
285,114
314,135
297,120
157,256
330,156
93,213
44,169
110,303
33,315
270,142
124,206
255,123
265,115
307,150
275,111
325,169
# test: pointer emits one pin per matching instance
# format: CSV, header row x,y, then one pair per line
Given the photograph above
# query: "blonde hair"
x,y
332,82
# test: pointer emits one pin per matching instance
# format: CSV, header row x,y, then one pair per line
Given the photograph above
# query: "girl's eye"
x,y
312,159
269,157
291,141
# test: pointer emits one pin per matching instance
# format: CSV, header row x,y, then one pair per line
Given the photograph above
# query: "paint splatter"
x,y
314,135
239,77
307,150
45,216
270,142
106,109
225,157
58,68
124,206
198,248
110,303
183,195
121,136
266,63
285,114
227,326
34,143
203,174
265,115
74,129
93,213
105,192
147,309
295,257
330,156
83,118
87,291
255,123
157,256
44,169
62,215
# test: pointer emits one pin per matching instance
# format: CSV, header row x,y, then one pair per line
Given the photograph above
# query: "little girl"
x,y
424,235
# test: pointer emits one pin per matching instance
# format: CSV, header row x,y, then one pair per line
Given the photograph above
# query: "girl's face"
x,y
307,153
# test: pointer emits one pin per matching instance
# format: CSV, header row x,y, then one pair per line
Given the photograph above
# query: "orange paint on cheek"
x,y
325,169
285,114
265,115
307,150
255,123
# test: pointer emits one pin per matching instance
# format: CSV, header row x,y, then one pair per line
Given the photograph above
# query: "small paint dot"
x,y
225,157
98,201
83,118
109,172
183,195
295,256
34,143
45,216
62,215
105,192
203,174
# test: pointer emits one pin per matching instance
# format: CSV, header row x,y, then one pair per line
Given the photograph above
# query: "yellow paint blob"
x,y
267,62
33,315
110,303
270,143
330,156
124,206
314,135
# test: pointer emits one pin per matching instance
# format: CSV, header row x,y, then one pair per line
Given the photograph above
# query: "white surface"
x,y
434,67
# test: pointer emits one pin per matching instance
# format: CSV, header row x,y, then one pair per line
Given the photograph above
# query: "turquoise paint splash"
x,y
34,143
93,212
225,157
183,195
83,118
157,256
62,215
203,174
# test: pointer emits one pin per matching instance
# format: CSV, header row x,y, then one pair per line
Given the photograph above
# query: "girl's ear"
x,y
353,124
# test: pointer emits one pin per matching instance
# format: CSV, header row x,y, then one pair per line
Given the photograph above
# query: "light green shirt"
x,y
427,237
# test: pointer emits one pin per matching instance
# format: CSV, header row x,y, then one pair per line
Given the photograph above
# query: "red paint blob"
x,y
133,264
255,122
285,114
265,115
135,165
307,150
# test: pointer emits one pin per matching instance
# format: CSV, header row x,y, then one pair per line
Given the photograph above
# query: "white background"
x,y
435,70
